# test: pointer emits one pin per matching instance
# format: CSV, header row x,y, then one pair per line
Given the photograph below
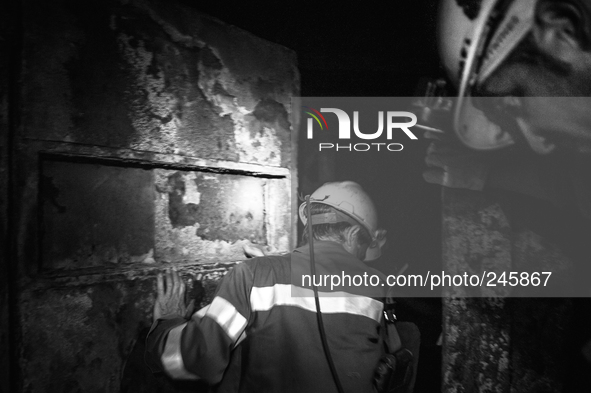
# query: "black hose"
x,y
333,369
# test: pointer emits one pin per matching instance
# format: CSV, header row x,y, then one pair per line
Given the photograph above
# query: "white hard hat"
x,y
475,37
348,197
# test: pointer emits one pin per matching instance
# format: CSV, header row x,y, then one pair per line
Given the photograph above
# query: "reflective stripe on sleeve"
x,y
226,315
265,298
203,311
172,359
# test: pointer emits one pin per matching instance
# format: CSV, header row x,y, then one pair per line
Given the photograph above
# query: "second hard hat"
x,y
348,197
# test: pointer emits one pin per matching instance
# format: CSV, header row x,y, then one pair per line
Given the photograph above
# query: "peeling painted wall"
x,y
150,135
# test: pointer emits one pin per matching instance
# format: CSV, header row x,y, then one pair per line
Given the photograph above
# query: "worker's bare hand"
x,y
258,250
170,299
253,251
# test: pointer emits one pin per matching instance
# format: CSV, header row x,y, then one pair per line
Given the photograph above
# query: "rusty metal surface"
x,y
78,338
157,122
95,215
501,343
152,78
476,343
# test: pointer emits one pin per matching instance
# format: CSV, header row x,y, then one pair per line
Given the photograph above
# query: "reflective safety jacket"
x,y
258,336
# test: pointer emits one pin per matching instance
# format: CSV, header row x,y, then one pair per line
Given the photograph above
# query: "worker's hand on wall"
x,y
252,251
170,299
257,250
453,165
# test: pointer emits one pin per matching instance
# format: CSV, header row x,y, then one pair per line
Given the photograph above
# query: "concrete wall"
x,y
149,135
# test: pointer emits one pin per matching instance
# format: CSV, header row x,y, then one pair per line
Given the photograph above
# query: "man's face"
x,y
549,93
